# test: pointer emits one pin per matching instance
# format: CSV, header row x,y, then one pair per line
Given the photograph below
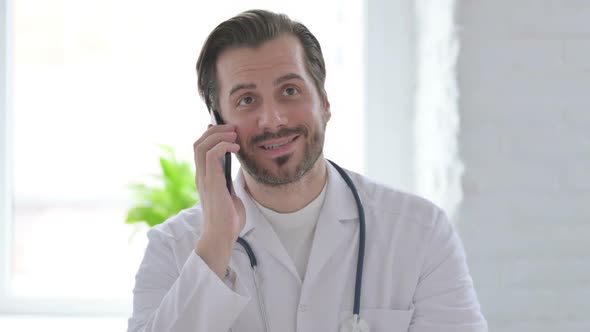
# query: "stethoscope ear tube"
x,y
361,252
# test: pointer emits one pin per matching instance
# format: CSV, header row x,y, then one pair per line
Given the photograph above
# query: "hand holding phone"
x,y
223,212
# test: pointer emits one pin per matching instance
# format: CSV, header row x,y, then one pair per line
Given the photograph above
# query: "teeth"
x,y
275,146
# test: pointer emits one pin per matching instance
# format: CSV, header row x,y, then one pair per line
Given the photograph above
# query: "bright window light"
x,y
96,85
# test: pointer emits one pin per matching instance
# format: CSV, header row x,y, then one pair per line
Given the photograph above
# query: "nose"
x,y
272,116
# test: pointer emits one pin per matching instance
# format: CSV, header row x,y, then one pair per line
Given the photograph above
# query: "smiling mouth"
x,y
278,145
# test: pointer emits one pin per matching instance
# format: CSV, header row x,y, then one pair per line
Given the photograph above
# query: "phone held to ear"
x,y
217,120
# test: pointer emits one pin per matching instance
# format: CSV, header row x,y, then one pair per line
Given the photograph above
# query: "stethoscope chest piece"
x,y
354,324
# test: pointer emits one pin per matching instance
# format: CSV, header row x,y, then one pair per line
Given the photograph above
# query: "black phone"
x,y
227,158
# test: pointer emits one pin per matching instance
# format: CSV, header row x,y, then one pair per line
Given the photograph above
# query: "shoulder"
x,y
184,223
396,205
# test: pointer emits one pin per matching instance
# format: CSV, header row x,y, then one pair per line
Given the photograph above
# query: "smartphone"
x,y
226,162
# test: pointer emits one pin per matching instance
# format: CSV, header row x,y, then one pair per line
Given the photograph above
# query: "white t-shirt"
x,y
296,229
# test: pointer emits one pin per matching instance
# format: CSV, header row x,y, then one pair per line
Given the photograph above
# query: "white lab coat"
x,y
415,276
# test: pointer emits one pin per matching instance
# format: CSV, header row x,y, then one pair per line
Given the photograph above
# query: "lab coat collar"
x,y
258,232
335,224
339,206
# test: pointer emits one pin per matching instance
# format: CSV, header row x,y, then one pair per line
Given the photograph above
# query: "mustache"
x,y
301,130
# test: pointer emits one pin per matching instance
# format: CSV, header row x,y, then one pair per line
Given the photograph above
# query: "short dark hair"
x,y
252,28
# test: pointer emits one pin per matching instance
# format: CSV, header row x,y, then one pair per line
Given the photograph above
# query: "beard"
x,y
312,151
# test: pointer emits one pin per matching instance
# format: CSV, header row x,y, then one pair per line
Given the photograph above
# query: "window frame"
x,y
390,80
5,185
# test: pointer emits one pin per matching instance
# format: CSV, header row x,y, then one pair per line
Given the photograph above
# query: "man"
x,y
264,74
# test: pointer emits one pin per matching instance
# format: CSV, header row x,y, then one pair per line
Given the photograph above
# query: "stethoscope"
x,y
355,323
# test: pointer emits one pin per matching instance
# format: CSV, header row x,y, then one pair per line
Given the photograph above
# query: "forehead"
x,y
280,56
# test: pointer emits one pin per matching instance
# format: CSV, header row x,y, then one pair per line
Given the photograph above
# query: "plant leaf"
x,y
178,191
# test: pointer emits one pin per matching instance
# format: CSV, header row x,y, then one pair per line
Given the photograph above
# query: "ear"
x,y
327,112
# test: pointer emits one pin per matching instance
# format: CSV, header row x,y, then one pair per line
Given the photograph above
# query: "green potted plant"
x,y
176,191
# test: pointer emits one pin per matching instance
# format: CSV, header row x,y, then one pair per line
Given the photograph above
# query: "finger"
x,y
205,143
220,128
215,176
215,129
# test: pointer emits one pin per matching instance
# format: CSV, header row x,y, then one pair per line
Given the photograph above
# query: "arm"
x,y
193,299
445,299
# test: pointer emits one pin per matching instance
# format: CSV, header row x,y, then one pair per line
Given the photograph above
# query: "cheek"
x,y
321,118
244,135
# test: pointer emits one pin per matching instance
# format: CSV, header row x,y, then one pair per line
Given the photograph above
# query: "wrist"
x,y
215,252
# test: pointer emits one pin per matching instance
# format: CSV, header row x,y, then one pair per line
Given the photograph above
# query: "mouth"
x,y
276,147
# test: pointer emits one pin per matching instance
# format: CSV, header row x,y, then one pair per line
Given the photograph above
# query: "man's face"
x,y
271,98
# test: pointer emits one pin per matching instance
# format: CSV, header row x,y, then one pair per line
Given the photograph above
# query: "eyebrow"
x,y
276,82
287,77
238,87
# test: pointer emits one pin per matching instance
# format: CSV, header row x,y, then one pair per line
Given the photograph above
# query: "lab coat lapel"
x,y
258,231
331,229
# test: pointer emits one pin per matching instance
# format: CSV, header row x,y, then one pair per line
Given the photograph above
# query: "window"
x,y
92,87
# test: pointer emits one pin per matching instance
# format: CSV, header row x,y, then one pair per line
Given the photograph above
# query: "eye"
x,y
247,100
290,91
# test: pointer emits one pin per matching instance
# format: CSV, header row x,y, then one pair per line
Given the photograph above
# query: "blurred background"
x,y
482,106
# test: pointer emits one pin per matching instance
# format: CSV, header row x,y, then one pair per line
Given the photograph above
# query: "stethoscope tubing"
x,y
361,252
360,257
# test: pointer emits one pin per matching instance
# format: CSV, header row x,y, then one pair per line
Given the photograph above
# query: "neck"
x,y
291,197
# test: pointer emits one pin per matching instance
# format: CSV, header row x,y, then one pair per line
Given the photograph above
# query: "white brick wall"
x,y
524,82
